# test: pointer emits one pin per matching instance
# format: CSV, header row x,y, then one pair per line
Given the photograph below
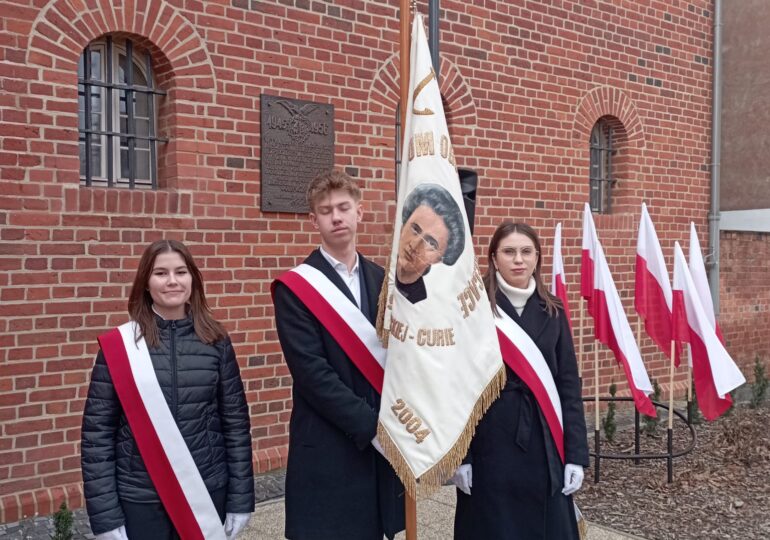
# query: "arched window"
x,y
117,123
601,178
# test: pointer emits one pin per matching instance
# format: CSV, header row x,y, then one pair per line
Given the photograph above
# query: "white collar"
x,y
518,297
337,265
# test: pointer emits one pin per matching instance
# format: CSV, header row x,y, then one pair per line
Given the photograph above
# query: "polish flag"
x,y
610,323
714,372
698,273
590,243
653,288
558,276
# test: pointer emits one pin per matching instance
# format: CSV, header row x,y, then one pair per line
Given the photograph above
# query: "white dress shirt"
x,y
350,278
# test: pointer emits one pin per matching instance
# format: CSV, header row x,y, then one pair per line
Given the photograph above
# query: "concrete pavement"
x,y
435,516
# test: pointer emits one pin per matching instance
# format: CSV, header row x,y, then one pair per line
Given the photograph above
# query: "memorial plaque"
x,y
297,144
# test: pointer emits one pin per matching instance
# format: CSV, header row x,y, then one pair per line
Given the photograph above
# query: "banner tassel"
x,y
435,477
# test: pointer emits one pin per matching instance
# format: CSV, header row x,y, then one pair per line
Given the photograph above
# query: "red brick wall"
x,y
524,84
745,297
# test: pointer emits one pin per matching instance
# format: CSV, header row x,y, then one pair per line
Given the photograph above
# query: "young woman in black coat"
x,y
194,362
513,485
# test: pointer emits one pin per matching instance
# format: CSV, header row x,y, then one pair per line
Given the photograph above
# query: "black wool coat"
x,y
203,388
337,485
517,472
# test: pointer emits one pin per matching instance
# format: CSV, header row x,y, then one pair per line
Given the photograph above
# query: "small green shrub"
x,y
608,422
697,417
759,388
650,426
62,523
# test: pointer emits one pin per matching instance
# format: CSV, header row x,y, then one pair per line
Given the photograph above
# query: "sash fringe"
x,y
435,477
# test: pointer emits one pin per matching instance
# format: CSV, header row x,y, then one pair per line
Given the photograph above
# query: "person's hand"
x,y
573,478
234,524
463,478
377,445
114,534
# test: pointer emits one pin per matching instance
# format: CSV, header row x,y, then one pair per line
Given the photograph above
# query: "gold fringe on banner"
x,y
382,301
435,477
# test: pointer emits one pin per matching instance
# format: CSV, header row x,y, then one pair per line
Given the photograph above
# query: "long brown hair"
x,y
552,303
140,301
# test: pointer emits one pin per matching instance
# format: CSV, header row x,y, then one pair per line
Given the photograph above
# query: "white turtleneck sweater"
x,y
518,297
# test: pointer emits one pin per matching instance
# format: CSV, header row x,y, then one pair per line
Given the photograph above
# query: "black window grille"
x,y
601,179
117,116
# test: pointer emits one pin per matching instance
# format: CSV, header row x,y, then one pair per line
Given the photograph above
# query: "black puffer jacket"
x,y
203,388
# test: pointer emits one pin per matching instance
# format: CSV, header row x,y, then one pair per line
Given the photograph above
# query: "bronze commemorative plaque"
x,y
297,143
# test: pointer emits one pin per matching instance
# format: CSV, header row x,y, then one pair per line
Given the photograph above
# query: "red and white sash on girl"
x,y
525,359
342,318
168,460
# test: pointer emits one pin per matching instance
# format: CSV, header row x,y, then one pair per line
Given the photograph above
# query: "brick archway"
x,y
62,30
607,101
384,92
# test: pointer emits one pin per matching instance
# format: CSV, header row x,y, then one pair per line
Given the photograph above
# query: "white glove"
x,y
377,445
573,478
235,523
463,478
114,534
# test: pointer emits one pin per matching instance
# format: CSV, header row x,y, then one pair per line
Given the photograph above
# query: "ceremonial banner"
x,y
714,372
444,366
652,298
559,276
610,323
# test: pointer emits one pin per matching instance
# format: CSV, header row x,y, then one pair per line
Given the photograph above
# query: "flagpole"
x,y
671,415
637,442
405,19
410,503
689,387
580,343
597,436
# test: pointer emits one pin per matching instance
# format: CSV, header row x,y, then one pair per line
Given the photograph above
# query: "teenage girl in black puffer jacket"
x,y
198,374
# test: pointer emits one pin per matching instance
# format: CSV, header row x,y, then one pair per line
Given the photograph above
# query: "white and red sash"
x,y
168,460
341,317
522,355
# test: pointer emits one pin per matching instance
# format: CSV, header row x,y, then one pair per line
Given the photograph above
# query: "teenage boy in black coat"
x,y
338,485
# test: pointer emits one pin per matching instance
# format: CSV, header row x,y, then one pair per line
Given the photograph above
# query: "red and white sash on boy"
x,y
168,460
341,317
525,359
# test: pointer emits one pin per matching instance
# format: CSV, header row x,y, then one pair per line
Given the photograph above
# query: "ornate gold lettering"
x,y
471,295
422,84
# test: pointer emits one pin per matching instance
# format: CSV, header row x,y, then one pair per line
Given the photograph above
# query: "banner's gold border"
x,y
435,477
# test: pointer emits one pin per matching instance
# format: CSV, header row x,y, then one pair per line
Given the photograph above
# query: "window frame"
x,y
601,152
109,90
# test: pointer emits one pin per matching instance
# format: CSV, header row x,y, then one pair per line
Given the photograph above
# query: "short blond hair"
x,y
329,181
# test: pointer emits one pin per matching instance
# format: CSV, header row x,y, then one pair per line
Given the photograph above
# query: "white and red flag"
x,y
558,276
444,367
698,273
714,373
610,323
652,286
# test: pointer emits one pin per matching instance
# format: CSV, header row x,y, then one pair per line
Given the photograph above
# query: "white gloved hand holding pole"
x,y
114,534
235,523
463,478
377,445
573,478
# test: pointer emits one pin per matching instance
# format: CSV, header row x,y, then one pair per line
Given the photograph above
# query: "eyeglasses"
x,y
525,252
430,244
